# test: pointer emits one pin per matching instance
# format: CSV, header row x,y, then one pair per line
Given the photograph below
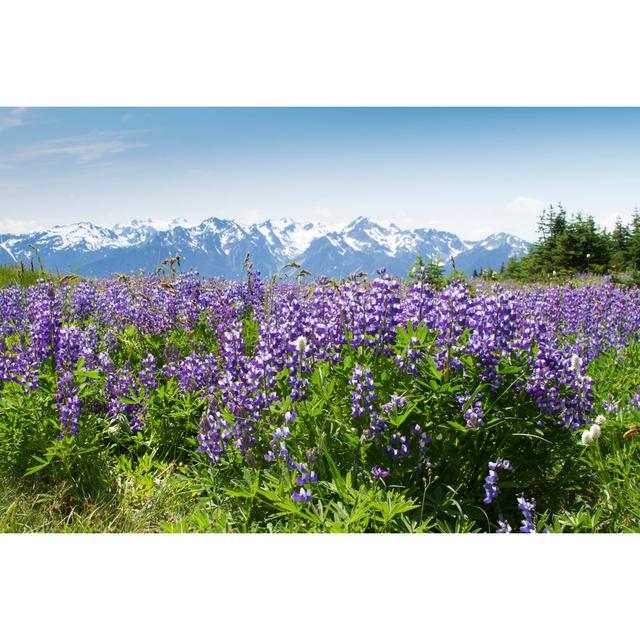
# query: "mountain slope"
x,y
491,253
218,247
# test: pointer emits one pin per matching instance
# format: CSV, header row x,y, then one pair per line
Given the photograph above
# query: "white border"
x,y
334,52
318,53
358,586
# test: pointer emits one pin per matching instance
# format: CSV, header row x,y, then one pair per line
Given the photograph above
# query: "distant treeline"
x,y
569,244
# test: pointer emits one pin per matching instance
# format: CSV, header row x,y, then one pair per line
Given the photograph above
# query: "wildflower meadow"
x,y
369,404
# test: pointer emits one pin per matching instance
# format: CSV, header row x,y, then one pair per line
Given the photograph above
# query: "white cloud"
x,y
85,148
521,217
80,149
111,167
254,216
13,118
17,225
608,220
479,233
323,214
523,206
403,219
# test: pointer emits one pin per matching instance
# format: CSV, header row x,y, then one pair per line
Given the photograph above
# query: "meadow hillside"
x,y
366,404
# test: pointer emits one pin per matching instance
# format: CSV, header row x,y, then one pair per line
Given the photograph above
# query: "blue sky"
x,y
466,170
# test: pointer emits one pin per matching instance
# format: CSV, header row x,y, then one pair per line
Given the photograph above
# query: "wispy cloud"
x,y
520,217
12,118
254,216
17,225
82,149
110,167
525,207
608,220
126,117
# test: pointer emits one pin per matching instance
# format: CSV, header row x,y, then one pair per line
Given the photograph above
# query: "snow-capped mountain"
x,y
218,247
287,237
491,252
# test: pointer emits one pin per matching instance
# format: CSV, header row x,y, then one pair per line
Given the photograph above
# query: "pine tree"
x,y
633,250
620,243
577,244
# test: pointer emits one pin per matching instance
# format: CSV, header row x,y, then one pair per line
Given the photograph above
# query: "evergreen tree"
x,y
577,244
633,249
620,245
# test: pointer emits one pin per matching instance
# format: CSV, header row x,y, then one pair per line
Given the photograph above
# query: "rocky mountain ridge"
x,y
218,247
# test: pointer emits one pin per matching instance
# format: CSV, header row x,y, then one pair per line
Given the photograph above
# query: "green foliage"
x,y
551,463
606,495
19,275
171,422
574,244
432,273
106,478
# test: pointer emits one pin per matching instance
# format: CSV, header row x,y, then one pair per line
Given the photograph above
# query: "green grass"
x,y
143,498
18,275
608,498
158,482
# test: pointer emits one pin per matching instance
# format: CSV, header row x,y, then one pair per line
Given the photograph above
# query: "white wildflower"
x,y
595,431
301,344
586,438
575,362
113,429
600,420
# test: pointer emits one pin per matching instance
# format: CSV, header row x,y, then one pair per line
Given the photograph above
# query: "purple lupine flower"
x,y
398,446
148,373
553,331
396,402
379,473
529,522
302,495
68,404
474,414
490,487
364,394
505,527
215,433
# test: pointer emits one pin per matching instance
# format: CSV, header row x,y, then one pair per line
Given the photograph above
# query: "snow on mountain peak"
x,y
159,224
363,234
290,237
214,245
87,234
496,240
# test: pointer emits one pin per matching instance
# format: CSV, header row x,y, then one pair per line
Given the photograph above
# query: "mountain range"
x,y
218,247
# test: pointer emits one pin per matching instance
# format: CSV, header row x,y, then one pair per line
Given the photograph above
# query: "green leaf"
x,y
336,476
